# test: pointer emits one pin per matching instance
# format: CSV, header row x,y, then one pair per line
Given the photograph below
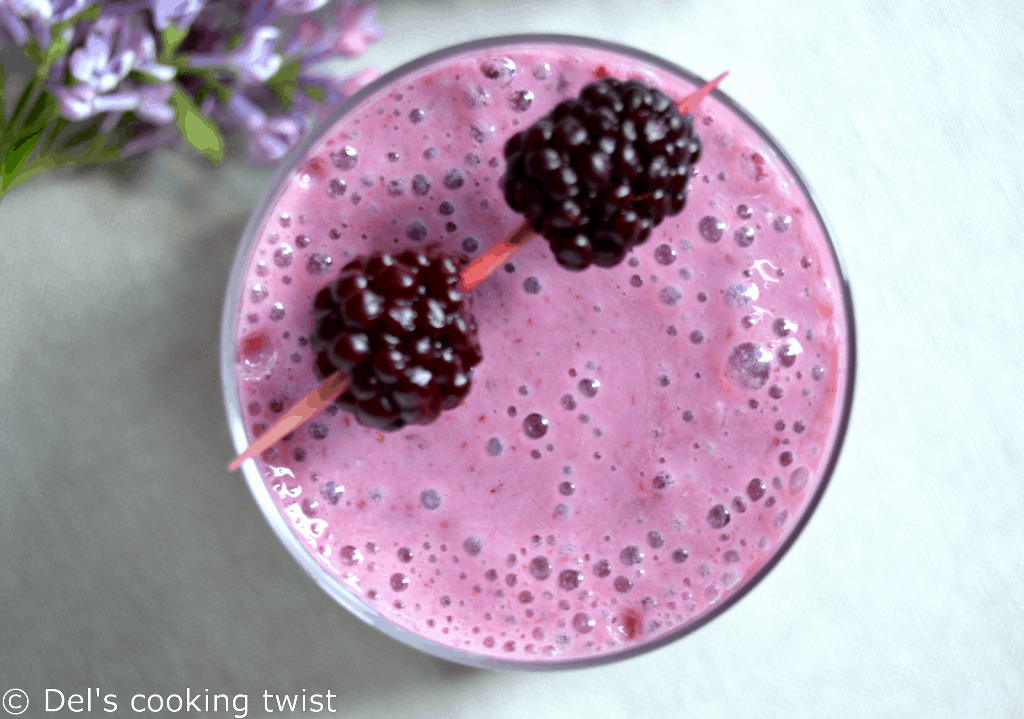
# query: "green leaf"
x,y
197,130
314,93
21,150
54,131
77,138
90,13
283,83
15,118
41,112
170,39
32,52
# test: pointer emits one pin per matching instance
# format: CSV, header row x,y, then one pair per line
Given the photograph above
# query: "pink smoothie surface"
x,y
638,441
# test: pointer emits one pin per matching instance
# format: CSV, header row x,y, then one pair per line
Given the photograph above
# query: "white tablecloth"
x,y
131,562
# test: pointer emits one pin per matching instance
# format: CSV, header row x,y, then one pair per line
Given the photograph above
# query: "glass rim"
x,y
333,586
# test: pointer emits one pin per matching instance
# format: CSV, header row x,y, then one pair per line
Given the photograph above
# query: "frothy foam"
x,y
668,388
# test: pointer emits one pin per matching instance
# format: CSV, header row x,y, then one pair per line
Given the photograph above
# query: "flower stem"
x,y
17,166
14,125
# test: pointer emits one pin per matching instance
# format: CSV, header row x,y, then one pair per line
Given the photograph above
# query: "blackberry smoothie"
x,y
640,443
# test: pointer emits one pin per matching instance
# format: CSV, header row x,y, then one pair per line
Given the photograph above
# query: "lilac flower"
x,y
101,55
306,34
269,137
61,10
10,19
76,103
18,16
336,87
298,7
105,59
254,59
152,106
179,13
114,47
149,102
141,40
83,101
357,29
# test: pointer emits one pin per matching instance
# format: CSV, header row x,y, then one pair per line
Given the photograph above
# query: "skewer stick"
x,y
689,103
472,275
486,264
304,410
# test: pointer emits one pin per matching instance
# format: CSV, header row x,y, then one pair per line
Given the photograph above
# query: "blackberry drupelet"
x,y
402,330
600,171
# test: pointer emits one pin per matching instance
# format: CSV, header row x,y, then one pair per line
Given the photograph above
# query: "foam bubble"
x,y
540,568
495,446
718,516
664,254
750,365
430,499
670,296
570,579
711,228
521,100
345,159
472,545
588,388
631,555
583,623
335,187
283,255
535,425
350,555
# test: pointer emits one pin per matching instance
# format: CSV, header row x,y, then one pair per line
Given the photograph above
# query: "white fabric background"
x,y
131,561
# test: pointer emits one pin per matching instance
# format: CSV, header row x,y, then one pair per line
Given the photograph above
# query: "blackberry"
x,y
600,171
402,330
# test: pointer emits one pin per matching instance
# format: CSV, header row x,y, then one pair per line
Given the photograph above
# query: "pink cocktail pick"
x,y
472,275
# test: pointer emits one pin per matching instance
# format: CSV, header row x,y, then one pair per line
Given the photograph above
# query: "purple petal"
x,y
245,111
105,59
42,33
207,105
357,29
274,139
298,7
255,59
110,122
76,103
116,102
260,12
180,13
141,41
64,9
14,24
153,105
41,10
307,32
